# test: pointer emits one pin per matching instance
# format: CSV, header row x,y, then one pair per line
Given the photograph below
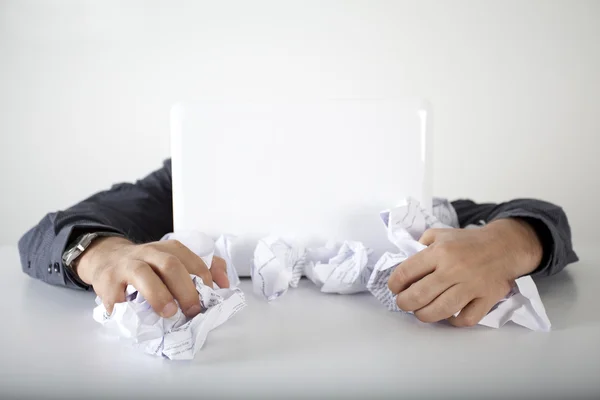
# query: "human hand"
x,y
159,270
466,270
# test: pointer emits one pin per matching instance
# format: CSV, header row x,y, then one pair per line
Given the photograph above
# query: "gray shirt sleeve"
x,y
548,220
141,211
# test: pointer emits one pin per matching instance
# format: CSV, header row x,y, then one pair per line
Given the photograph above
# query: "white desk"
x,y
305,344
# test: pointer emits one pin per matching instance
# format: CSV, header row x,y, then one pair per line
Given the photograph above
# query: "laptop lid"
x,y
308,171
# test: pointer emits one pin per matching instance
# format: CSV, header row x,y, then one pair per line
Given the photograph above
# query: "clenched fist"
x,y
466,270
160,271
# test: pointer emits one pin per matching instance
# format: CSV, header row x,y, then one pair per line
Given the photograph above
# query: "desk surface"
x,y
301,345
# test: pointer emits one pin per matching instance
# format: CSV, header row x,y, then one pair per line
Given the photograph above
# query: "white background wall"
x,y
86,86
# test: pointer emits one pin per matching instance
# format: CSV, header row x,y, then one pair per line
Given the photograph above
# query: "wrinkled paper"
x,y
199,243
350,267
176,338
223,249
405,224
277,265
205,248
346,272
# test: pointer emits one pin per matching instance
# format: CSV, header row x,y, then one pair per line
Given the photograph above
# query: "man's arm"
x,y
548,220
141,211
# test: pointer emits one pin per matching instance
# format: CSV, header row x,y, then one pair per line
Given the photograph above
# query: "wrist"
x,y
521,243
96,254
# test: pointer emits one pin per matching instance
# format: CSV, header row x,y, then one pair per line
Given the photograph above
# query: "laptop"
x,y
307,171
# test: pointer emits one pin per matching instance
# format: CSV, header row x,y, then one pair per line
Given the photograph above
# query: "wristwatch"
x,y
78,247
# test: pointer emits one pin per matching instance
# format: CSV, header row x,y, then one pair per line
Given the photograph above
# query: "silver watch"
x,y
80,245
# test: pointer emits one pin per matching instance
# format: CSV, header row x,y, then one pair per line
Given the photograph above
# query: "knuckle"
x,y
176,243
138,269
147,246
399,275
170,264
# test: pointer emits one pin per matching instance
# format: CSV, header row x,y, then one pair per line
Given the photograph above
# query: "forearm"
x,y
41,248
549,222
141,212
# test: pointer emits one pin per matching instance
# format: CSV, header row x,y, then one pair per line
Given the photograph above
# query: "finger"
x,y
446,304
147,282
218,270
411,270
112,295
193,263
424,291
473,312
110,289
177,279
429,236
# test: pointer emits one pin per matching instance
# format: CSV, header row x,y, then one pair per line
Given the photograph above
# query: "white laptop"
x,y
307,171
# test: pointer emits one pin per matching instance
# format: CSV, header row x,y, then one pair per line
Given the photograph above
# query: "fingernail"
x,y
169,310
193,311
108,312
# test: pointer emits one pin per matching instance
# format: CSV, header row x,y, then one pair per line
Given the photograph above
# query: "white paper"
x,y
320,255
223,249
523,307
350,267
176,338
277,265
405,224
444,212
345,273
205,248
199,243
408,220
378,281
